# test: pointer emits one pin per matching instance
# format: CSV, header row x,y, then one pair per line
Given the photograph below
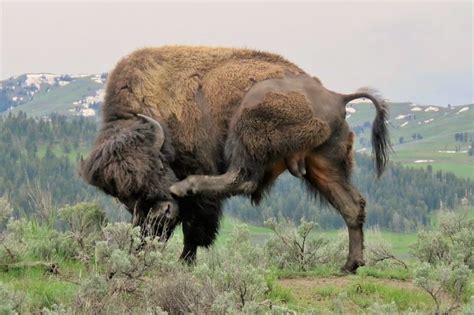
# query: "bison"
x,y
185,127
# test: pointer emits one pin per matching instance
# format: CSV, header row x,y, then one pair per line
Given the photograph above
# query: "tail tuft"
x,y
381,146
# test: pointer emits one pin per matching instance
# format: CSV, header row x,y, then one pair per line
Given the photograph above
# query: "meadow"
x,y
65,270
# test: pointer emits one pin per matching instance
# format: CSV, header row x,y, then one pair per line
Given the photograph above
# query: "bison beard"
x,y
184,128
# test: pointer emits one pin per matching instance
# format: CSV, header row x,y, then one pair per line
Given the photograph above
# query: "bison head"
x,y
131,161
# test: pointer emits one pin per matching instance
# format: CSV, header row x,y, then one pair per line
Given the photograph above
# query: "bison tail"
x,y
381,146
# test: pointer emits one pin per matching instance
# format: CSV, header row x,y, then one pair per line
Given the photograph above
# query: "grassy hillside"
x,y
437,146
39,94
59,99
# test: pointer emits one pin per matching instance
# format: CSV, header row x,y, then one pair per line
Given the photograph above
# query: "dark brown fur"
x,y
234,120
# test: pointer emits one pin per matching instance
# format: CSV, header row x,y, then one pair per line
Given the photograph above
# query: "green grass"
x,y
321,271
44,289
41,288
351,294
459,169
59,152
400,241
258,234
364,292
396,273
276,292
280,294
330,293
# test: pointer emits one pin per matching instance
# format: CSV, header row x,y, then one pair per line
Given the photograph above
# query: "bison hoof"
x,y
351,266
183,188
179,190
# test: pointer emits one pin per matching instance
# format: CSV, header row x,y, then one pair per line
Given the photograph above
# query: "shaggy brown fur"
x,y
233,120
164,82
280,125
127,149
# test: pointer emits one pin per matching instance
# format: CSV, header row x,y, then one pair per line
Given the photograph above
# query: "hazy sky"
x,y
417,51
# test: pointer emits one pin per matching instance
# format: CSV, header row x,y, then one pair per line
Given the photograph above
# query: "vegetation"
x,y
49,98
39,158
442,135
120,272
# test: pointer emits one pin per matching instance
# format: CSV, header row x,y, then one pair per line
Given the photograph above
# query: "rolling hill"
x,y
43,93
421,135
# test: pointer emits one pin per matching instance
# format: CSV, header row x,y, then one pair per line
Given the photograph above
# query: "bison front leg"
x,y
231,183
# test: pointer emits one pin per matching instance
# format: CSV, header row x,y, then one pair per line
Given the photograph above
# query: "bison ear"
x,y
160,134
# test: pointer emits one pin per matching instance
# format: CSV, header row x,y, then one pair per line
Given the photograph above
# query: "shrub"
x,y
441,279
140,275
295,247
123,252
468,308
84,221
92,293
11,301
181,293
6,211
129,271
379,252
26,240
453,239
237,269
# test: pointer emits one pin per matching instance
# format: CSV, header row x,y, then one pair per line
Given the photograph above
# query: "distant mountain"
x,y
421,134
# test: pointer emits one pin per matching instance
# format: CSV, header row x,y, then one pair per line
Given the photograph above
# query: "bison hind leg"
x,y
328,179
276,129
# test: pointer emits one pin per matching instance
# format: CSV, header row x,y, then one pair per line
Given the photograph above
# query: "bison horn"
x,y
160,134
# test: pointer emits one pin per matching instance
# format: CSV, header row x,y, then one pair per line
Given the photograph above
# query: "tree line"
x,y
39,160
